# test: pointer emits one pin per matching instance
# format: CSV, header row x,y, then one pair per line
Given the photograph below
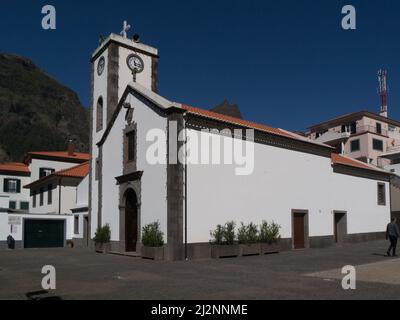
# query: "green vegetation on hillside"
x,y
36,112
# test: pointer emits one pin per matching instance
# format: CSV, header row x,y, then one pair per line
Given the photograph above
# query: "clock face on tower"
x,y
135,63
100,66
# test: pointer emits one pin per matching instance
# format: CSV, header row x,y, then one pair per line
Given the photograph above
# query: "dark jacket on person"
x,y
392,230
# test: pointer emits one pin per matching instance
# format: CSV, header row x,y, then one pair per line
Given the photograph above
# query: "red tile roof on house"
x,y
342,160
79,171
61,154
248,124
14,167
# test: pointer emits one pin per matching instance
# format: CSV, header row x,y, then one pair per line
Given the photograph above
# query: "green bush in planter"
x,y
224,235
269,233
248,234
217,235
252,233
152,236
103,235
229,233
242,234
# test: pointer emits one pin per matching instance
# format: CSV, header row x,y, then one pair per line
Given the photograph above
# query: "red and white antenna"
x,y
383,92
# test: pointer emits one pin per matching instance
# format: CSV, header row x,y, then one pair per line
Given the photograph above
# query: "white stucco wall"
x,y
154,179
23,196
4,201
82,195
36,164
5,229
283,180
82,192
68,200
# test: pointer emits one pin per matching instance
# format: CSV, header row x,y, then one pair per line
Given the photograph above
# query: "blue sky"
x,y
288,64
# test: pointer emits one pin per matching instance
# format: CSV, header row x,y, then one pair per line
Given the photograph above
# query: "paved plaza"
x,y
306,274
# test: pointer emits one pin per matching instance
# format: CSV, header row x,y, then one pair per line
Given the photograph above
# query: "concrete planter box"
x,y
103,247
153,253
266,248
225,251
250,249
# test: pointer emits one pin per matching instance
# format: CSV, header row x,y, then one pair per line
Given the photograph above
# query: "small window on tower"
x,y
99,114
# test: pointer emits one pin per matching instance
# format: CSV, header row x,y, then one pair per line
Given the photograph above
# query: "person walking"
x,y
392,234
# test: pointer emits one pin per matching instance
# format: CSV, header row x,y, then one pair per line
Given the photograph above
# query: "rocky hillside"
x,y
36,112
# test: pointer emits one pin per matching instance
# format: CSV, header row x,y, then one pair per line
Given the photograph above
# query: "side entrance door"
x,y
340,226
299,230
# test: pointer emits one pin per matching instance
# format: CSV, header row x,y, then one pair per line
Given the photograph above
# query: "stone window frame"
x,y
130,166
381,193
131,146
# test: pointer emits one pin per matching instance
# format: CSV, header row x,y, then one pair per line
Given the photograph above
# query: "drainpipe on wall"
x,y
59,196
390,196
186,244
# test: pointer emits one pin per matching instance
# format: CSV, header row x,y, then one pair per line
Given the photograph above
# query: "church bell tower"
x,y
118,61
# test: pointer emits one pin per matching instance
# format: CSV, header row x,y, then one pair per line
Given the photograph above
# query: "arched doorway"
x,y
131,221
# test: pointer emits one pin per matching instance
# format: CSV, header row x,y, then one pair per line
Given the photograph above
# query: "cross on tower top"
x,y
125,29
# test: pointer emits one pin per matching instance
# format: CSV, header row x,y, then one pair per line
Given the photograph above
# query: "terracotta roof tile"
x,y
61,154
14,167
248,124
342,160
79,171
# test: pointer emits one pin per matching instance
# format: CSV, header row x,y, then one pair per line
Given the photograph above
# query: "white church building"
x,y
150,162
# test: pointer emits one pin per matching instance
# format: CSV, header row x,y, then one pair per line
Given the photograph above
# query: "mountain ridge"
x,y
37,113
